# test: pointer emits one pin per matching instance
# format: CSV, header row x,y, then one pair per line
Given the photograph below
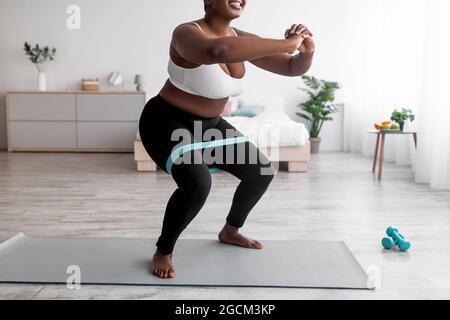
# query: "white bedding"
x,y
274,129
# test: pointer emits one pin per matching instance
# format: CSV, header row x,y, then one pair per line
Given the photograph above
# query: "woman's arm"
x,y
282,63
191,43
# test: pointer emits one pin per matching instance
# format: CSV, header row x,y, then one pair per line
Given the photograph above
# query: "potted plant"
x,y
39,56
401,116
318,108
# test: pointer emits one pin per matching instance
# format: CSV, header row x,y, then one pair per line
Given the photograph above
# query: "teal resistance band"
x,y
180,151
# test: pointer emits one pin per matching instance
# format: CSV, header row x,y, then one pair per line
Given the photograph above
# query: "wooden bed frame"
x,y
294,159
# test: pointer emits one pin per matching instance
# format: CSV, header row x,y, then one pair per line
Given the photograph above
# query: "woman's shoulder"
x,y
189,24
198,24
242,33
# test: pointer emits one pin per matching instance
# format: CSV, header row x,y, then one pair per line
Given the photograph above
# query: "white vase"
x,y
42,83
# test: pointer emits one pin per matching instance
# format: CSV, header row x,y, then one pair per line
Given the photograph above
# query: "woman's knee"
x,y
262,176
267,173
194,179
200,186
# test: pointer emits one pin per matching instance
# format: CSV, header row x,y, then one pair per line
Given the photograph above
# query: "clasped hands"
x,y
306,41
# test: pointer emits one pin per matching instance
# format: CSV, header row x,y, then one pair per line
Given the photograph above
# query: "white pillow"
x,y
273,108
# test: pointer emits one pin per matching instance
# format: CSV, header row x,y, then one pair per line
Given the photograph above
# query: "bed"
x,y
282,139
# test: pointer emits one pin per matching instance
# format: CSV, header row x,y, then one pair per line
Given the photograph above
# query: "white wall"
x,y
133,36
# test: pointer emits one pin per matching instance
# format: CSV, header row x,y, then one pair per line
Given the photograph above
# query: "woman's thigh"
x,y
161,135
243,160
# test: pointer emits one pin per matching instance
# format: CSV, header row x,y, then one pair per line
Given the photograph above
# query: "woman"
x,y
206,67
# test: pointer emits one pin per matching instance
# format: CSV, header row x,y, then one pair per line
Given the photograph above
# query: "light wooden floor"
x,y
101,195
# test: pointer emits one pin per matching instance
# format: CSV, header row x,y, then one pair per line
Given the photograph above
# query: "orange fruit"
x,y
378,126
386,123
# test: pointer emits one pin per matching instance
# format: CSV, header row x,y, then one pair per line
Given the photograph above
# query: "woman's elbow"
x,y
296,71
217,53
302,72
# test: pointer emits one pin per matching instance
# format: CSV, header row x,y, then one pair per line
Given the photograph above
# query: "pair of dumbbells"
x,y
395,239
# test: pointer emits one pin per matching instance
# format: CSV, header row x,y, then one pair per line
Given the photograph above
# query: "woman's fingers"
x,y
303,32
287,33
299,26
303,27
298,29
293,27
306,33
309,32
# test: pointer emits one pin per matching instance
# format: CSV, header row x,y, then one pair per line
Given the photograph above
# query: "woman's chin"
x,y
234,15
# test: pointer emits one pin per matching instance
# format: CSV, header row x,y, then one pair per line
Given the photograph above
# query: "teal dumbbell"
x,y
395,238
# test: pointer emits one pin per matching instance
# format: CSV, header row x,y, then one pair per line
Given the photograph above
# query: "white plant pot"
x,y
42,82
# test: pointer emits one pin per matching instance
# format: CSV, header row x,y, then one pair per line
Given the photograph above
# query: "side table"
x,y
379,148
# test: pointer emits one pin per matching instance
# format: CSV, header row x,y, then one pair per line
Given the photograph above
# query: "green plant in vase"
x,y
402,116
39,56
318,108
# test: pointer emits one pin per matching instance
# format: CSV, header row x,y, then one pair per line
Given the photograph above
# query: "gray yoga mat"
x,y
292,263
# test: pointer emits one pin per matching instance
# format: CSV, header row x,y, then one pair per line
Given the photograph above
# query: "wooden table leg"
x,y
380,168
376,153
415,139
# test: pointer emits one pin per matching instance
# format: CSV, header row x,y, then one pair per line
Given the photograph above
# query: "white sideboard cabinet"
x,y
82,121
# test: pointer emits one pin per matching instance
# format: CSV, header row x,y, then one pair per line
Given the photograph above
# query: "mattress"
x,y
269,129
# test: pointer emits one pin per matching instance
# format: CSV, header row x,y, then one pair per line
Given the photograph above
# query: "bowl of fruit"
x,y
387,126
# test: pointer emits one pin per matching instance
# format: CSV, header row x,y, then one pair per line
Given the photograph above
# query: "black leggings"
x,y
191,172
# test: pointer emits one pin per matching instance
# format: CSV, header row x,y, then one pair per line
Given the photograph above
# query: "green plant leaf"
x,y
318,108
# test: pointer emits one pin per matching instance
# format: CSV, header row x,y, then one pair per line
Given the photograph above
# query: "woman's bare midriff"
x,y
200,106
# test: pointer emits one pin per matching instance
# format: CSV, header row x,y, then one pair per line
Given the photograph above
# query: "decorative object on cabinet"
x,y
115,78
139,82
39,56
90,84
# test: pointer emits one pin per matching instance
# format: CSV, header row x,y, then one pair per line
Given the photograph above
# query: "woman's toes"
x,y
257,244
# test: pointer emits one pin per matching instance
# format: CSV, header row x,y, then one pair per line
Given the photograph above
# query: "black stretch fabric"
x,y
158,121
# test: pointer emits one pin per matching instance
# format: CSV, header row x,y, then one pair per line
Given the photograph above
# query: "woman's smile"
x,y
236,5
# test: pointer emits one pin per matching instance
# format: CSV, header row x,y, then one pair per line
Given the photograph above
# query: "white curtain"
x,y
433,156
396,54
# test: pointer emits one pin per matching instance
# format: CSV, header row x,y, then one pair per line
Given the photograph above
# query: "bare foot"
x,y
162,265
231,235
